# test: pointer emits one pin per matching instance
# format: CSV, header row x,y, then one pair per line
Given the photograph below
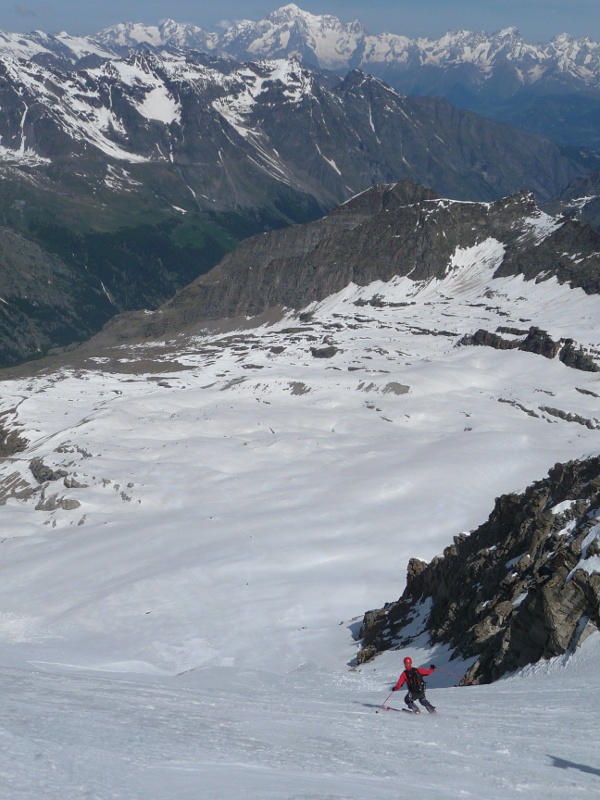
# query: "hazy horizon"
x,y
537,20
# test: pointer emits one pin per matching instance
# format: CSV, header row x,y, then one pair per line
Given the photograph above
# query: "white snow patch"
x,y
590,563
330,161
160,105
468,265
21,156
541,226
560,508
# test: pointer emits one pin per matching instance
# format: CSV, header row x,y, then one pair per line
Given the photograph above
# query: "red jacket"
x,y
403,677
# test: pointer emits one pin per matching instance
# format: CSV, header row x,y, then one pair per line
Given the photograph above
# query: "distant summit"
x,y
120,39
333,44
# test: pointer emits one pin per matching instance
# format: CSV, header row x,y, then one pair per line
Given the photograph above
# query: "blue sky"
x,y
538,20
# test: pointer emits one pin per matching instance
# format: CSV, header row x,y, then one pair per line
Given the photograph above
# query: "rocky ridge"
x,y
524,586
388,232
535,341
580,199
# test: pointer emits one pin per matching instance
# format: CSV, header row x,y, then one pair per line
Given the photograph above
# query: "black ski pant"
x,y
420,696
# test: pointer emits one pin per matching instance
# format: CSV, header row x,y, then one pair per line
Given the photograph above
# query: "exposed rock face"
x,y
16,485
522,587
44,302
10,440
576,357
580,199
42,473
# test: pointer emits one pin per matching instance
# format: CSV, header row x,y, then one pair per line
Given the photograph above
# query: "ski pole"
x,y
454,675
384,702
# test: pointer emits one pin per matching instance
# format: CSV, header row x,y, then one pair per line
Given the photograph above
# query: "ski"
x,y
401,710
408,711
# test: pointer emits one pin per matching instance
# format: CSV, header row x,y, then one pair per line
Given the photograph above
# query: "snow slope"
x,y
181,624
309,734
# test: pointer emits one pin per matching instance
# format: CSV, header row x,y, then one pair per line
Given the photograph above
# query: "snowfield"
x,y
311,733
178,611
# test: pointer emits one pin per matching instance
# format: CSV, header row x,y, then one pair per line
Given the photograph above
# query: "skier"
x,y
412,677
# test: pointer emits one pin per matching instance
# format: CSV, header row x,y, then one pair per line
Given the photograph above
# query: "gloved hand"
x,y
395,689
432,666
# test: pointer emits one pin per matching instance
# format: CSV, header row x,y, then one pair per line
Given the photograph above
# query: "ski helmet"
x,y
408,662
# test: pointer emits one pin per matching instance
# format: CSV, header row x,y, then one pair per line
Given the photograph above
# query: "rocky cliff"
x,y
524,586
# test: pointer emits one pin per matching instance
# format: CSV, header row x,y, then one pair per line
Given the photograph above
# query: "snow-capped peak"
x,y
129,35
41,45
287,14
508,33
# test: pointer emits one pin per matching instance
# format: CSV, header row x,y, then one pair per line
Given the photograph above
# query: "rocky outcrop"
x,y
576,357
522,587
43,473
535,341
324,352
11,441
581,199
16,486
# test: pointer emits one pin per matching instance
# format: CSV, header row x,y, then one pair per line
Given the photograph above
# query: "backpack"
x,y
414,681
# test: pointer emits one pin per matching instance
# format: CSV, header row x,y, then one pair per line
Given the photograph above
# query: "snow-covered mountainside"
x,y
270,122
128,178
194,527
125,36
551,88
324,41
225,734
44,48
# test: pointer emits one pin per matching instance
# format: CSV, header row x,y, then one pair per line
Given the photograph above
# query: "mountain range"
x,y
127,178
326,43
551,88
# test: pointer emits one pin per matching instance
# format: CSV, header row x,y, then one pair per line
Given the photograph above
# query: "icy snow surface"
x,y
187,630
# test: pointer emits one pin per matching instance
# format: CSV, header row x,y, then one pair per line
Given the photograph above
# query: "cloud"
x,y
225,24
24,11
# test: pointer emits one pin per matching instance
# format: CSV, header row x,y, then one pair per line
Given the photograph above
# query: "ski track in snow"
x,y
187,629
